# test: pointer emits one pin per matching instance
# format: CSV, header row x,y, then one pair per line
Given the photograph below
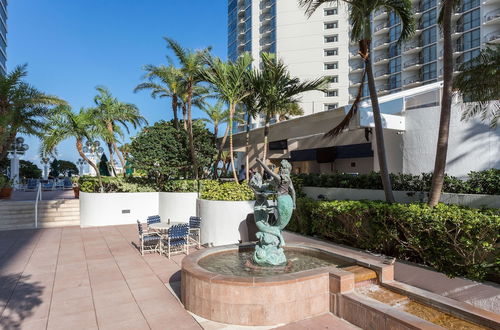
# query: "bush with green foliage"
x,y
29,170
5,182
90,184
162,151
182,185
484,182
455,240
226,191
63,167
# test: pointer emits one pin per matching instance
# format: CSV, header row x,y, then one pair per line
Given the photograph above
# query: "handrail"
x,y
38,197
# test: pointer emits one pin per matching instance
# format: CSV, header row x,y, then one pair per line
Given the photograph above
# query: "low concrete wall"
x,y
177,206
224,222
98,209
471,200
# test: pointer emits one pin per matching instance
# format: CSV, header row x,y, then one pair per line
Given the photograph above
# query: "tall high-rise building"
x,y
3,36
311,47
419,61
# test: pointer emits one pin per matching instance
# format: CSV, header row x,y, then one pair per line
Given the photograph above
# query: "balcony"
x,y
354,83
412,64
412,81
412,48
266,17
493,37
357,67
241,11
417,12
379,14
381,28
492,17
381,44
383,89
381,59
354,55
381,74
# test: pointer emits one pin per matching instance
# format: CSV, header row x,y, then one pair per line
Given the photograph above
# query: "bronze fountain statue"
x,y
269,249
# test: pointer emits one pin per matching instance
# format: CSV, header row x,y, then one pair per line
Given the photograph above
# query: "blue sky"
x,y
71,46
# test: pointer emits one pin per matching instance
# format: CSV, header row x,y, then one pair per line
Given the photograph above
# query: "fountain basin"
x,y
269,299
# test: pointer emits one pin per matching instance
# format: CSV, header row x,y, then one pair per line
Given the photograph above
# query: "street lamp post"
x,y
18,148
95,151
45,162
80,162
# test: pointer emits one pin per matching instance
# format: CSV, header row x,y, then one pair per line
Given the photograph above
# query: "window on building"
x,y
469,40
331,11
469,4
395,65
393,19
428,19
428,36
429,71
331,66
428,54
469,20
333,38
427,4
394,50
332,93
467,56
331,106
394,33
331,52
395,81
331,25
333,79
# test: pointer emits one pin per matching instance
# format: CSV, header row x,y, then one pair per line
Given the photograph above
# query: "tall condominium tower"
x,y
419,61
3,36
311,47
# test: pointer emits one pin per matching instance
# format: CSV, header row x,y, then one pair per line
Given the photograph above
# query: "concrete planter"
x,y
471,200
177,206
224,222
101,209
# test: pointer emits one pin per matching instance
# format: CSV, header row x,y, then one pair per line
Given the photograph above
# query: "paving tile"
x,y
119,313
83,320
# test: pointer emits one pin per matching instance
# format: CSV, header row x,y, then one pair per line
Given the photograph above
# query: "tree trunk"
x,y
120,156
379,133
111,165
444,122
184,115
247,149
5,147
190,133
266,140
231,114
216,132
221,148
79,147
174,109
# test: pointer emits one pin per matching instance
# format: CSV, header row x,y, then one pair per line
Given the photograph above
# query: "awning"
x,y
318,141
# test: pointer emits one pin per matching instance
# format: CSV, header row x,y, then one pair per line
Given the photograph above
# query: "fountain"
x,y
270,283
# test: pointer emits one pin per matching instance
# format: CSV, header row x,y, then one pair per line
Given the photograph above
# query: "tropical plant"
x,y
278,92
23,108
113,114
360,13
191,63
28,169
228,80
251,110
64,167
445,20
479,86
164,81
81,126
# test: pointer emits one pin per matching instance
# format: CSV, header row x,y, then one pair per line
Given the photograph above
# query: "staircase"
x,y
51,213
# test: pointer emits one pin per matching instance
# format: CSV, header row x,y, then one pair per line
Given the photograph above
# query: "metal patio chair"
x,y
194,231
176,240
148,241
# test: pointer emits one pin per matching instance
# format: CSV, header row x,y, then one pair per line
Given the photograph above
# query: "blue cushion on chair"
x,y
153,219
194,222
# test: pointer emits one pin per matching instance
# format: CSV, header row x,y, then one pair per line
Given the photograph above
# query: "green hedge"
x,y
226,191
457,241
183,185
90,184
484,182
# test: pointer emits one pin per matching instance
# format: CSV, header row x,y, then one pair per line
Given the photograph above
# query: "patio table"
x,y
164,226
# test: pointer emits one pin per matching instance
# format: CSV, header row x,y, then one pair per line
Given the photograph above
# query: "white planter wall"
x,y
98,209
471,200
177,206
223,222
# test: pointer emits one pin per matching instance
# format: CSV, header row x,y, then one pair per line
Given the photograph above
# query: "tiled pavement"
x,y
94,278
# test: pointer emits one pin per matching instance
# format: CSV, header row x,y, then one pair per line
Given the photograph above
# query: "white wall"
x,y
177,206
106,209
473,146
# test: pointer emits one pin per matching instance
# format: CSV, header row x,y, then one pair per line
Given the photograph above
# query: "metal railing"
x,y
38,197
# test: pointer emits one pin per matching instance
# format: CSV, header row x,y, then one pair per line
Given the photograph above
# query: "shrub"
x,y
484,182
226,191
115,184
456,240
182,185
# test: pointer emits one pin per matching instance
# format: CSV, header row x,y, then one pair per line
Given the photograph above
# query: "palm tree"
x,y
292,110
479,86
191,64
445,15
164,81
228,80
198,99
23,108
114,114
65,124
277,91
251,108
361,31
